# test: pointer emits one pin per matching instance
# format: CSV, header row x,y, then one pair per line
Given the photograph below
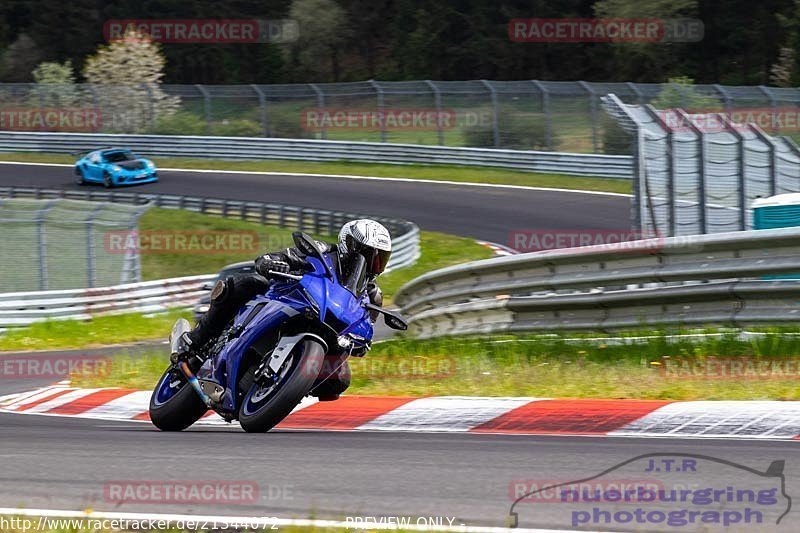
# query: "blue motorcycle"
x,y
273,352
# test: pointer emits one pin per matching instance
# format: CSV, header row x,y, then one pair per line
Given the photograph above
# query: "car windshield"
x,y
119,156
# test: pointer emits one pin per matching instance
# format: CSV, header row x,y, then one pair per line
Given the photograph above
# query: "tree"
x,y
19,59
781,72
680,92
323,31
55,85
127,75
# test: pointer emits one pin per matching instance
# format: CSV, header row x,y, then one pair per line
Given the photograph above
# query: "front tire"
x,y
297,378
179,410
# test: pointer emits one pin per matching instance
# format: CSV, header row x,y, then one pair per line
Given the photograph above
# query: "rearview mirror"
x,y
390,318
395,322
306,244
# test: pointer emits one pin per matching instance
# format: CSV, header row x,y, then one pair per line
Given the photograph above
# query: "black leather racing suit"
x,y
230,294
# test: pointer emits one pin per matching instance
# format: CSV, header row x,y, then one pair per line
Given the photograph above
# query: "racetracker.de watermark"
x,y
180,242
54,366
77,119
537,240
203,31
612,30
391,119
566,491
741,368
228,492
783,119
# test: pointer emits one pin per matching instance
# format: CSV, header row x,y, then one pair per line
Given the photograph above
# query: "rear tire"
x,y
178,412
80,179
108,183
305,367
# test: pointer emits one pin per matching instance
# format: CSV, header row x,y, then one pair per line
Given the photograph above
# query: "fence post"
x,y
731,128
91,273
381,107
41,235
773,104
437,100
262,106
495,129
639,94
671,224
548,122
321,105
726,99
701,153
773,167
151,109
593,105
206,106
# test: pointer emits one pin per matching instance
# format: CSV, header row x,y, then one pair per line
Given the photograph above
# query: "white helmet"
x,y
368,238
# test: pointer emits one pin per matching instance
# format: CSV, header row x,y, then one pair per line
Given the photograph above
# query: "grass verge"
x,y
544,366
99,331
430,172
438,250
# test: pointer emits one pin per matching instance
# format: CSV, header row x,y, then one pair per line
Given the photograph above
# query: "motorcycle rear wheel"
x,y
264,407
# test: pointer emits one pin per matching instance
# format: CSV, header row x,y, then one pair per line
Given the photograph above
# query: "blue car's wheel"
x,y
266,404
174,405
107,181
80,179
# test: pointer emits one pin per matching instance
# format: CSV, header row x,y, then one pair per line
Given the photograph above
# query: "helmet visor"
x,y
379,262
376,259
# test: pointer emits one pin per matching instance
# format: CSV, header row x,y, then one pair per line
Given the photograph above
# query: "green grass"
x,y
99,331
438,250
536,366
430,172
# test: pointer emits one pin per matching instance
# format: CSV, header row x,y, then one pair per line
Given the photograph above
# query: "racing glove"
x,y
265,264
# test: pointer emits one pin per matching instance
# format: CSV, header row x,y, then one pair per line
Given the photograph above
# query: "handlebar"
x,y
285,275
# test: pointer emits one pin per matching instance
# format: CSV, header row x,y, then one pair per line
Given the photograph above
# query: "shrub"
x,y
517,131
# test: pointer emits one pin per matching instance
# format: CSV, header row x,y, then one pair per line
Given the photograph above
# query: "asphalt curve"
x,y
71,463
59,463
490,214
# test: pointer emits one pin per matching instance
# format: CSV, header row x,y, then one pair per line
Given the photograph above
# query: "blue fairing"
x,y
314,294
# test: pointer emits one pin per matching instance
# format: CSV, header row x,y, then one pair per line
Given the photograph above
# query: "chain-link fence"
x,y
60,244
528,115
699,173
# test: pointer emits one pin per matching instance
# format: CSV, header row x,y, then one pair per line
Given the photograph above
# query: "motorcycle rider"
x,y
363,236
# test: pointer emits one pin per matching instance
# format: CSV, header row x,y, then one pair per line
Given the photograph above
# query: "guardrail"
x,y
405,234
24,308
257,148
692,280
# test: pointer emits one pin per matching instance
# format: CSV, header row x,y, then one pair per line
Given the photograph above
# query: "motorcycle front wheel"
x,y
174,405
266,404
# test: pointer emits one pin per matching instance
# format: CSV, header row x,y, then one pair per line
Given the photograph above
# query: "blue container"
x,y
781,211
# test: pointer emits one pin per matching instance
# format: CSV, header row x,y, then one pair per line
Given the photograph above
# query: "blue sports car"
x,y
113,167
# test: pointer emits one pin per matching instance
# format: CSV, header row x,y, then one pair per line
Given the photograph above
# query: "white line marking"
x,y
23,399
61,400
354,177
264,522
444,413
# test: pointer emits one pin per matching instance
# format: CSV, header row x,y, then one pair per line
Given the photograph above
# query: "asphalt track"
x,y
489,214
59,463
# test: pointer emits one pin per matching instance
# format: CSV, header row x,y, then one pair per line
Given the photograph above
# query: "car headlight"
x,y
116,168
